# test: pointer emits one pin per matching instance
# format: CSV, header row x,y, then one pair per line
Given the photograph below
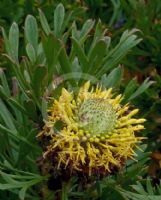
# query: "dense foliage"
x,y
46,46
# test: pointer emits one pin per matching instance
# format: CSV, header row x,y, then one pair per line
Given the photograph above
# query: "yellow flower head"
x,y
91,132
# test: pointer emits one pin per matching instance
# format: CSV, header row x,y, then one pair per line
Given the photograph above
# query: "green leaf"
x,y
31,31
44,23
14,40
130,88
8,186
113,79
7,116
4,82
82,35
99,46
64,61
20,181
31,109
58,19
8,178
81,55
14,134
16,104
75,32
128,40
140,195
96,56
31,53
134,196
24,152
87,26
52,48
22,193
38,79
44,107
144,86
6,41
149,187
98,30
66,22
139,188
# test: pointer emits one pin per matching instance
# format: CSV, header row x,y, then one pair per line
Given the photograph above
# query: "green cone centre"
x,y
97,116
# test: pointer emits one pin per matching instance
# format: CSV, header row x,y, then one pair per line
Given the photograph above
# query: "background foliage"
x,y
127,57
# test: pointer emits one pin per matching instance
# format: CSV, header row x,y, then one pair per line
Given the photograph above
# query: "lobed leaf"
x,y
113,79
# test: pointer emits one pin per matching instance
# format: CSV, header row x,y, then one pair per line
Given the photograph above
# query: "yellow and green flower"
x,y
91,132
